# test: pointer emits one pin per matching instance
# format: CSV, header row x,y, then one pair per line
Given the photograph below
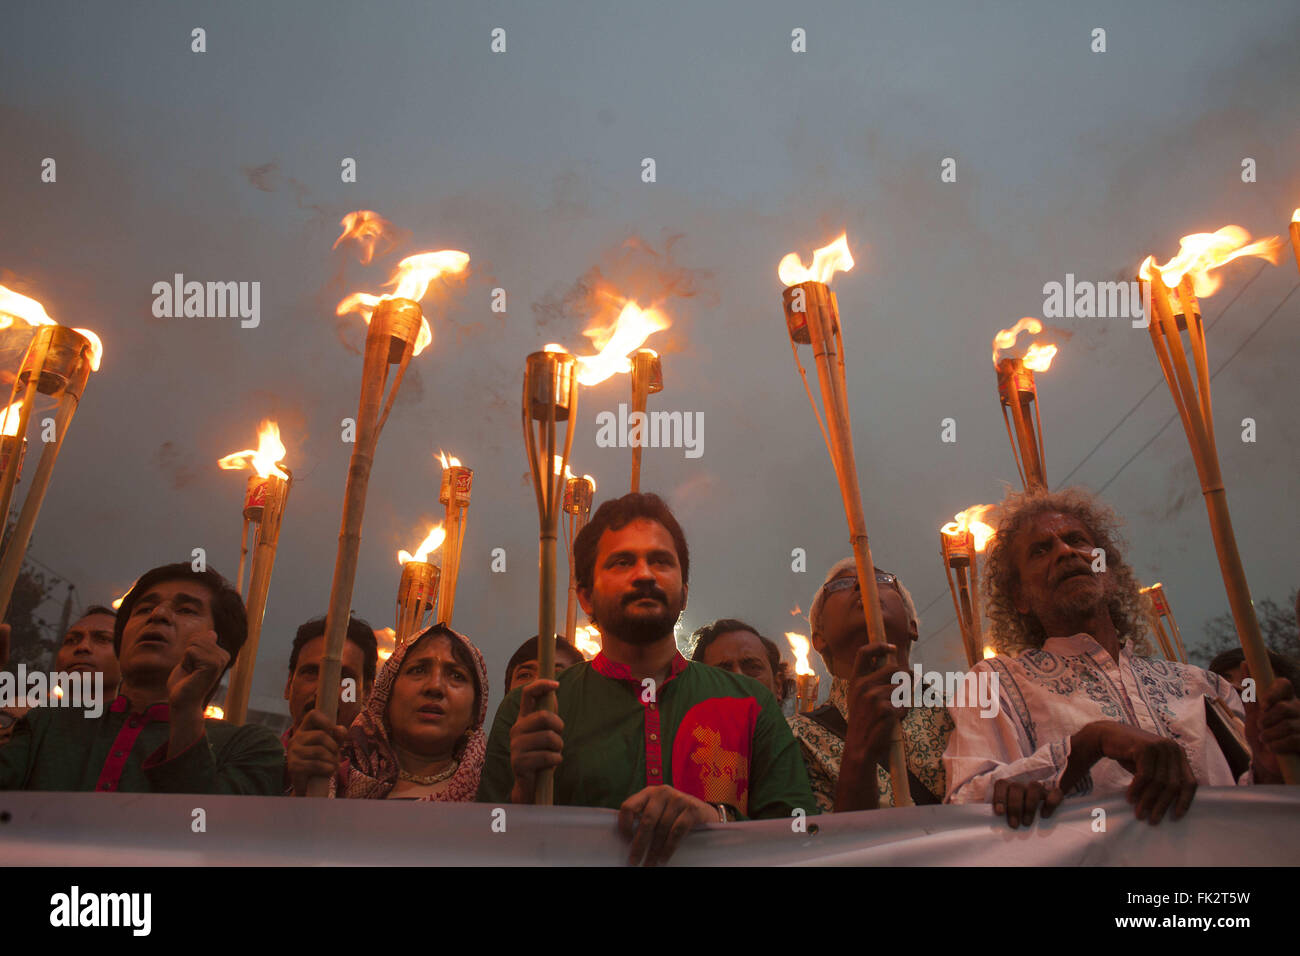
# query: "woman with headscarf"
x,y
420,735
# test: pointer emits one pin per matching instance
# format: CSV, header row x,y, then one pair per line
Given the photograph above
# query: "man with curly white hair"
x,y
1083,708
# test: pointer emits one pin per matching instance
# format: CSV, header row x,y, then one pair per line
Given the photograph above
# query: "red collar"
x,y
607,668
122,704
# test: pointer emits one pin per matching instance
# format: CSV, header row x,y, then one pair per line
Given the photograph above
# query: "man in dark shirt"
x,y
176,633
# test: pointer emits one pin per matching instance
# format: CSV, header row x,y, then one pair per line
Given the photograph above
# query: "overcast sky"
x,y
225,165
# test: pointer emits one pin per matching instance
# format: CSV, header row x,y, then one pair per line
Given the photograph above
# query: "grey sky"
x,y
1068,161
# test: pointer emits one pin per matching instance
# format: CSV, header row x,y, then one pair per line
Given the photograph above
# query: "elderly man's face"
x,y
844,621
1053,560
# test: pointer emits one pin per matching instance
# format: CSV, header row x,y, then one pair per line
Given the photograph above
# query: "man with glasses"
x,y
845,743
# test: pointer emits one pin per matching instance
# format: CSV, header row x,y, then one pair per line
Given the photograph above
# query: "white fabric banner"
x,y
1245,826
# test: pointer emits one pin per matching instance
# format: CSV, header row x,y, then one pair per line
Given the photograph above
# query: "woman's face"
x,y
433,699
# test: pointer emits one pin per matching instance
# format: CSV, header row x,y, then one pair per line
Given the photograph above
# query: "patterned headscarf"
x,y
372,761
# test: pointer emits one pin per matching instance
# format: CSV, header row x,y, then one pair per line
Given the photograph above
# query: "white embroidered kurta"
x,y
1049,693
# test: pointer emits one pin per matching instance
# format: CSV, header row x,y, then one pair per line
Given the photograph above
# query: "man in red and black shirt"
x,y
175,635
668,743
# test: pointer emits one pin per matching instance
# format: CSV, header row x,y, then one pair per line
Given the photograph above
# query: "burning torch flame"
x,y
118,603
411,281
558,460
1037,358
826,262
386,638
437,534
972,520
452,462
16,306
265,460
367,228
586,638
799,644
1202,251
10,420
213,712
989,652
633,326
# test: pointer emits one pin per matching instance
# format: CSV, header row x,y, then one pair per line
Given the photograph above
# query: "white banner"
x,y
1246,826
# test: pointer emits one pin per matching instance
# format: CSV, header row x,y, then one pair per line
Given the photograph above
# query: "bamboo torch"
x,y
806,680
1188,273
417,591
1161,617
1018,394
397,332
960,543
454,493
550,401
812,318
647,379
578,495
57,364
264,502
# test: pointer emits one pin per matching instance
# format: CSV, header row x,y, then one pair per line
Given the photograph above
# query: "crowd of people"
x,y
1083,706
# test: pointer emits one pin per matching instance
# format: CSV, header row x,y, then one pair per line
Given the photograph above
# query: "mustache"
x,y
649,591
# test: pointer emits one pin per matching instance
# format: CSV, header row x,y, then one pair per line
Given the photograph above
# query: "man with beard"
x,y
668,743
1082,709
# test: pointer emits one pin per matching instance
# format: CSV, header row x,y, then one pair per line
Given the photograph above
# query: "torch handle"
x,y
823,325
455,525
373,376
640,392
12,562
1243,610
259,586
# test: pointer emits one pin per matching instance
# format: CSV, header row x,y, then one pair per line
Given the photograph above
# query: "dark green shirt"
x,y
715,735
56,748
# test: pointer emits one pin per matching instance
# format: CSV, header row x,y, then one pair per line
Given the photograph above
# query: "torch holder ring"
x,y
67,361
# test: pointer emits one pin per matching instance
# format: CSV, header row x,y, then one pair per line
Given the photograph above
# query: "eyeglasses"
x,y
841,584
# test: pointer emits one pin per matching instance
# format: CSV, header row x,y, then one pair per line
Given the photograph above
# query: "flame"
x,y
367,228
213,712
410,281
972,520
555,347
58,692
826,262
1295,216
437,534
265,460
386,638
800,645
16,306
452,462
118,603
1200,252
1038,358
9,428
615,343
989,651
586,638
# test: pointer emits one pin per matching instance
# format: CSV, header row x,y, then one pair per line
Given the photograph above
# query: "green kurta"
x,y
715,735
56,748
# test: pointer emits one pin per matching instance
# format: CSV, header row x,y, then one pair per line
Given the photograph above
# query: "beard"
x,y
636,625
